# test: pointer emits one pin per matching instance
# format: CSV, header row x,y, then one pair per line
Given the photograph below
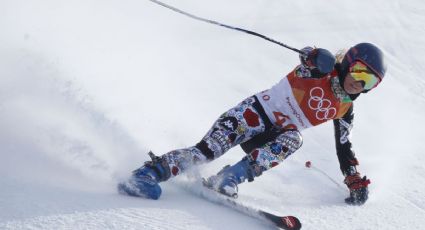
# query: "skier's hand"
x,y
307,56
358,189
317,59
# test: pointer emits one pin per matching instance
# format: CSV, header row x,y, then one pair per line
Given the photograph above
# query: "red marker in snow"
x,y
308,164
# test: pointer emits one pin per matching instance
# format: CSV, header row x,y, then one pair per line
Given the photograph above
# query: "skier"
x,y
267,125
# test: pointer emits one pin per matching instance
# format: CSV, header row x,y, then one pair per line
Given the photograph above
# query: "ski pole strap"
x,y
226,26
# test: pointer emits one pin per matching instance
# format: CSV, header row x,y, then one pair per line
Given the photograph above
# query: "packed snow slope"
x,y
87,87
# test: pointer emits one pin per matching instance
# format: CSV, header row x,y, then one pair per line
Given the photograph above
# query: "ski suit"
x,y
267,124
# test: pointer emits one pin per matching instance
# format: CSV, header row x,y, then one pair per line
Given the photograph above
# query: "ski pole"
x,y
226,26
329,177
309,165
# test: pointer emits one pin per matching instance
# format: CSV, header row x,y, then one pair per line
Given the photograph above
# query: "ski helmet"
x,y
368,54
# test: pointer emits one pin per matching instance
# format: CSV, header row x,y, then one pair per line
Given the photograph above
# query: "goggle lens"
x,y
360,72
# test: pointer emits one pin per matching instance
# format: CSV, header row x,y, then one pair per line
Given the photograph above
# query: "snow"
x,y
88,87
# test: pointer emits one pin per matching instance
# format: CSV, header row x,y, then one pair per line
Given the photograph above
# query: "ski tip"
x,y
283,222
291,222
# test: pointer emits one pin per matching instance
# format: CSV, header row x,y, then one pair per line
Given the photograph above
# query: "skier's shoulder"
x,y
345,112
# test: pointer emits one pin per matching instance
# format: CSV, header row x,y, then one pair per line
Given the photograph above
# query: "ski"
x,y
282,222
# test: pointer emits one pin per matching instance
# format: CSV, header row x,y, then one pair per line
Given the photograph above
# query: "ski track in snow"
x,y
133,218
88,87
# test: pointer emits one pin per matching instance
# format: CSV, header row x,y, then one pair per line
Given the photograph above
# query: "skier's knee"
x,y
274,152
290,142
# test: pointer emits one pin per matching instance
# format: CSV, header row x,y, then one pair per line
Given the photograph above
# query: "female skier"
x,y
267,125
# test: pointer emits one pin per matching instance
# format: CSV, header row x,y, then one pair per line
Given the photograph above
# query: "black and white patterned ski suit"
x,y
245,124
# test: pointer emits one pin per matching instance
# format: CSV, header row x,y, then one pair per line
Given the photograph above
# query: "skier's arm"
x,y
357,185
346,156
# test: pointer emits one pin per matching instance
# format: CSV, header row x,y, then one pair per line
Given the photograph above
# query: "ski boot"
x,y
227,180
144,181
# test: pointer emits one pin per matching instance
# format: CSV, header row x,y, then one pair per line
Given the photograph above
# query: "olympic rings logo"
x,y
322,106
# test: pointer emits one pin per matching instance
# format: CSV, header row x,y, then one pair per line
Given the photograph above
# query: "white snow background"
x,y
87,87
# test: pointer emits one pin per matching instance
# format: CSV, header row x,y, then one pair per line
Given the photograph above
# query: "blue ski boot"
x,y
144,181
227,180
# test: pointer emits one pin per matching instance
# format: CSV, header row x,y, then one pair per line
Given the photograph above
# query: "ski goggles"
x,y
360,72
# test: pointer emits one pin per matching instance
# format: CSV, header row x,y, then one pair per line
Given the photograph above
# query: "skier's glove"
x,y
319,61
358,189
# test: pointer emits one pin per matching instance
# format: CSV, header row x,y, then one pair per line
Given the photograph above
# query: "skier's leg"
x,y
255,163
235,126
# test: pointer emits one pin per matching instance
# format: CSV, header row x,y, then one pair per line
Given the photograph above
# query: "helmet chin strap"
x,y
354,96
